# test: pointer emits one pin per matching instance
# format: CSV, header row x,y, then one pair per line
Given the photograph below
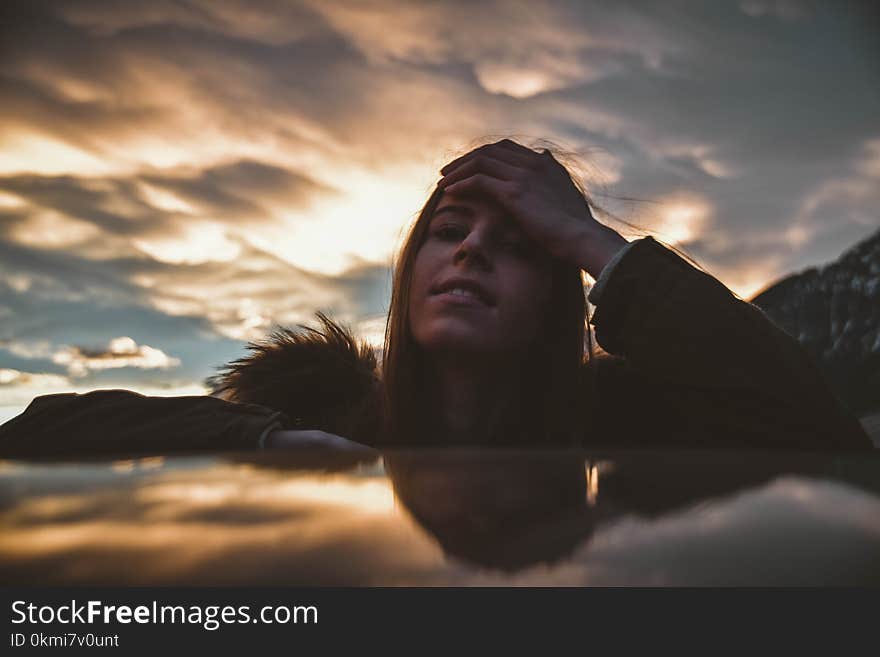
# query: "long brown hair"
x,y
550,409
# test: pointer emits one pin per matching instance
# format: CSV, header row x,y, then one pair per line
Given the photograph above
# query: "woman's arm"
x,y
116,422
716,360
322,381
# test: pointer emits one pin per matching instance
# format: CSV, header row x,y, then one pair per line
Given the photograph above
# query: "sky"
x,y
178,176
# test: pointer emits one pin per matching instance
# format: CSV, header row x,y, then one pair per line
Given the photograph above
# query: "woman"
x,y
485,344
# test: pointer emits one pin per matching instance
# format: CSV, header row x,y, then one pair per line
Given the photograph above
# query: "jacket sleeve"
x,y
116,422
717,362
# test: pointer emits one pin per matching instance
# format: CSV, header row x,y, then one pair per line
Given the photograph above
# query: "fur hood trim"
x,y
320,378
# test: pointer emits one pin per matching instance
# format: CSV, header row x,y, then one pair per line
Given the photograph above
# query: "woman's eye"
x,y
450,232
516,246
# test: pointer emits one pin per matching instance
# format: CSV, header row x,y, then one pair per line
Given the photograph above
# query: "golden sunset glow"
x,y
212,522
190,175
181,515
364,224
23,152
681,220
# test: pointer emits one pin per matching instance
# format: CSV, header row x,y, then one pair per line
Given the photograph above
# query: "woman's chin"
x,y
457,335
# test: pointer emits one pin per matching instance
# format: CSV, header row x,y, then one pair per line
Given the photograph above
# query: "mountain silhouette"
x,y
834,312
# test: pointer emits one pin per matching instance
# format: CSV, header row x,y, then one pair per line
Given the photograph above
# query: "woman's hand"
x,y
539,194
314,440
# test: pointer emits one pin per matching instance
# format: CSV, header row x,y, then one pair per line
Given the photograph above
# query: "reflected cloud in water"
x,y
445,518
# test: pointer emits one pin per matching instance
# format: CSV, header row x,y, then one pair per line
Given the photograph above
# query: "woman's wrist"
x,y
263,440
595,246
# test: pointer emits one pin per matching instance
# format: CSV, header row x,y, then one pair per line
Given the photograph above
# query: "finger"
x,y
314,439
340,444
482,164
535,159
503,191
516,147
504,150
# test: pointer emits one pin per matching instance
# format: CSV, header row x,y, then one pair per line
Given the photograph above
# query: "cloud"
x,y
18,388
238,189
515,48
9,377
851,193
120,352
263,20
782,9
85,523
238,194
190,173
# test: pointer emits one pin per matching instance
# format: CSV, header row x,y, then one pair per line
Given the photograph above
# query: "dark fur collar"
x,y
320,378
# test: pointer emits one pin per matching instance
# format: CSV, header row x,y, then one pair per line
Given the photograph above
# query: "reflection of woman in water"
x,y
504,510
512,509
486,345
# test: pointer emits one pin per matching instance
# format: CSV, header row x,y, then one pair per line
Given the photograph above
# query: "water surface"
x,y
445,518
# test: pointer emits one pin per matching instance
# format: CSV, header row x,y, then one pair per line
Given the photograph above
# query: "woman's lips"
x,y
460,286
458,299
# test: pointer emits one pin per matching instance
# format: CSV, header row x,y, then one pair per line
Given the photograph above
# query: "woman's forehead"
x,y
471,207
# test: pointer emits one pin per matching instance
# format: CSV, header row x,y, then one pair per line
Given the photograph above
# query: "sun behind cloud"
x,y
193,173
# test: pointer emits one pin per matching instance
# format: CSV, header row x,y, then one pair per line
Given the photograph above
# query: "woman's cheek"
x,y
529,298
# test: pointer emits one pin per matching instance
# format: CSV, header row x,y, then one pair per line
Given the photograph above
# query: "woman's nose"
x,y
473,248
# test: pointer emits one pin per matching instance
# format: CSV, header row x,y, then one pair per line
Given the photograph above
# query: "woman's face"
x,y
479,284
